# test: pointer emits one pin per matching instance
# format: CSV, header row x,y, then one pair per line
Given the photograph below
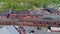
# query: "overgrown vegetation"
x,y
25,4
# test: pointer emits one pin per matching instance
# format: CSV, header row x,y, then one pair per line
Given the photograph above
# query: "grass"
x,y
16,4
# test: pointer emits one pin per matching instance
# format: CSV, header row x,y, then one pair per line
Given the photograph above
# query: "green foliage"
x,y
16,4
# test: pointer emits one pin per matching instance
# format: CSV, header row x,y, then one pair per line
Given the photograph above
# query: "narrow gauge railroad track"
x,y
30,22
